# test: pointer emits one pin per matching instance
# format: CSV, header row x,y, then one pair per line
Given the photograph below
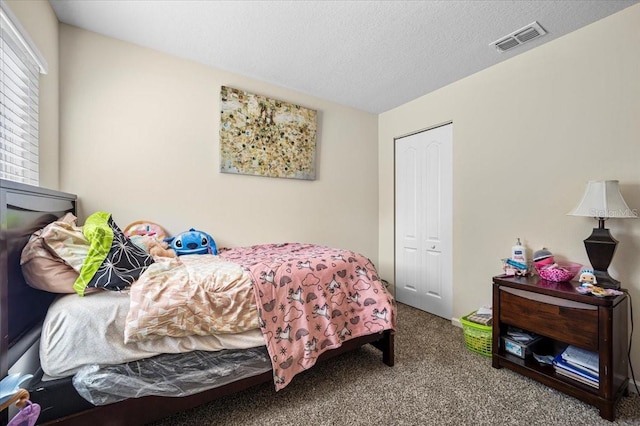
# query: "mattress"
x,y
84,331
170,375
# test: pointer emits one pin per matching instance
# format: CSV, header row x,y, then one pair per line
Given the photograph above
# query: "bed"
x,y
301,318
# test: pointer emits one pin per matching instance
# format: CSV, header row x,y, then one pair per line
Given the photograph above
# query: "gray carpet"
x,y
436,381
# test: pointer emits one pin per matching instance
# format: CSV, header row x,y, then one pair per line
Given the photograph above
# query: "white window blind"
x,y
21,65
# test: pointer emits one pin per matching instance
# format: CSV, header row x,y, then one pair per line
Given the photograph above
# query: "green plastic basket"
x,y
477,337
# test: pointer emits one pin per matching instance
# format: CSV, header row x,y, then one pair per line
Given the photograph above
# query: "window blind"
x,y
19,95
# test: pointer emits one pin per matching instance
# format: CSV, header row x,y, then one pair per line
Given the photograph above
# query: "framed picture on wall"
x,y
266,137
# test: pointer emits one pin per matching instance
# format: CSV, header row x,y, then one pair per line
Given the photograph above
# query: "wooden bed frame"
x,y
139,411
23,210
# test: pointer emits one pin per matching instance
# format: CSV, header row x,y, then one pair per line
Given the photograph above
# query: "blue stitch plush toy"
x,y
192,242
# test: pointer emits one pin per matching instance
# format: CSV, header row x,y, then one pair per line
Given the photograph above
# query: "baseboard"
x,y
456,322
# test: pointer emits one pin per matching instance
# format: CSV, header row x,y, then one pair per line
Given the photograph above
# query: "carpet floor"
x,y
435,381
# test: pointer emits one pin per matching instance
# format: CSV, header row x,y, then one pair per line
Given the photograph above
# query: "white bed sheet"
x,y
81,331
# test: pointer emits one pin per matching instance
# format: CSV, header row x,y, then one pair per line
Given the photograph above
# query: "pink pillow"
x,y
44,271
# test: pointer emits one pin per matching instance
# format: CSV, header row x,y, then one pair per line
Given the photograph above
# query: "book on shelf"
x,y
558,362
579,378
583,375
581,358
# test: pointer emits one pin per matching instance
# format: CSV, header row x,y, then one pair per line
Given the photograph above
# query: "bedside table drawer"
x,y
571,322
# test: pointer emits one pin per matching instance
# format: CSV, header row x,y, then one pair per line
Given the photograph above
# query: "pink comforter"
x,y
310,299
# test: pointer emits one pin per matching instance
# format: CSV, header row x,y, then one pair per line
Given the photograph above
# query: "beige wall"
x,y
140,139
528,134
41,23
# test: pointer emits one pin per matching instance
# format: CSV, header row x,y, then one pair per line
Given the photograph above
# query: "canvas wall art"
x,y
266,137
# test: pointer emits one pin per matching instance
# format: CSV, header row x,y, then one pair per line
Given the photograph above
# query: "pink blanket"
x,y
310,299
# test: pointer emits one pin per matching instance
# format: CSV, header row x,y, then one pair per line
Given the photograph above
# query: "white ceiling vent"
x,y
521,36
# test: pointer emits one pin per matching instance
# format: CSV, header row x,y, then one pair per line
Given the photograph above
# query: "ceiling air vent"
x,y
521,36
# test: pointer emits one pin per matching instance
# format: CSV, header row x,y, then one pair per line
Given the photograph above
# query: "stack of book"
x,y
578,364
484,316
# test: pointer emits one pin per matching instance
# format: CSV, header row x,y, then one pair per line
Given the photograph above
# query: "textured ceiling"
x,y
369,55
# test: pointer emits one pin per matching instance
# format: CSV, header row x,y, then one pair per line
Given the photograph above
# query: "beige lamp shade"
x,y
602,199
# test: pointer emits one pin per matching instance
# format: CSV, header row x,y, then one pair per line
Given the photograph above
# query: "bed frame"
x,y
25,209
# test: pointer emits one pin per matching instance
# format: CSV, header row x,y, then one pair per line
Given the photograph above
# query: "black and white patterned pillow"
x,y
123,265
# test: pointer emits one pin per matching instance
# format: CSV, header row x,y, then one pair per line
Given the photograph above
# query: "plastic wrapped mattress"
x,y
173,375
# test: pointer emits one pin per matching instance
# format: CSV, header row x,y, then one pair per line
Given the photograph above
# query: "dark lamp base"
x,y
600,247
605,280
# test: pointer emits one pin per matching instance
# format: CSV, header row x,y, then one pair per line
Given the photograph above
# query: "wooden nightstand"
x,y
565,317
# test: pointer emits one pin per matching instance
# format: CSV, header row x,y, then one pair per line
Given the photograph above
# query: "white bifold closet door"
x,y
423,215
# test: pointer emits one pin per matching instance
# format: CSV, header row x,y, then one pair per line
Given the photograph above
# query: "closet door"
x,y
423,240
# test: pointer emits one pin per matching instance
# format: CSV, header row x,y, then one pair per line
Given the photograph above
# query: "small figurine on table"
x,y
587,278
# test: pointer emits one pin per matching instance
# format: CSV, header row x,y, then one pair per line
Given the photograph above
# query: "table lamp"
x,y
602,200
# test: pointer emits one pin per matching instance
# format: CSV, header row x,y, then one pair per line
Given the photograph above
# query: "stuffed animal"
x,y
192,242
587,278
153,246
160,249
145,227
